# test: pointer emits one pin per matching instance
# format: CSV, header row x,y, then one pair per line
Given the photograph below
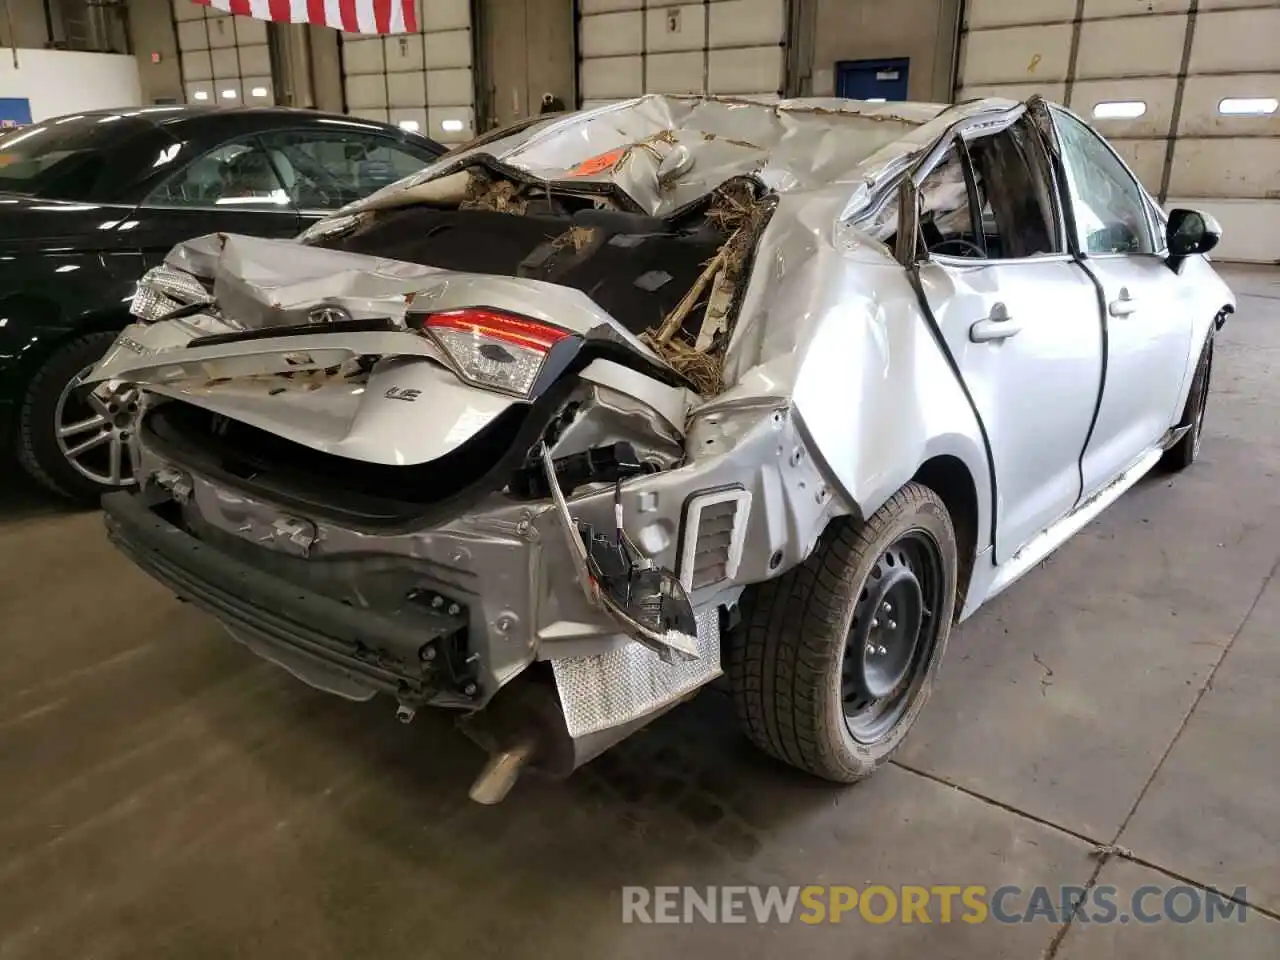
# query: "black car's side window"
x,y
235,175
324,171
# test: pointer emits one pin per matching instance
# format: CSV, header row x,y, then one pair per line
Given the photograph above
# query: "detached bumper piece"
x,y
418,659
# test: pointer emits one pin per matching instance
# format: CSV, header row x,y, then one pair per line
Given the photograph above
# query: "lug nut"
x,y
892,624
437,601
428,653
470,689
454,609
875,624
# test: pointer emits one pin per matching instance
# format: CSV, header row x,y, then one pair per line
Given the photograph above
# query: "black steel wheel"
x,y
892,636
834,659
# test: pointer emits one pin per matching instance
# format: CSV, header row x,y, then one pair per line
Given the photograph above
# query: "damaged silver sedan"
x,y
589,412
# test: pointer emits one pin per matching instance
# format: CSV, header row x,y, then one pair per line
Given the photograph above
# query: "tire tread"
x,y
792,630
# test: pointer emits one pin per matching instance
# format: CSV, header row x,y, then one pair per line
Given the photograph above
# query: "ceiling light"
x,y
1119,110
1248,106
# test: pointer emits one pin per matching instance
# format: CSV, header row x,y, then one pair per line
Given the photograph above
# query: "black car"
x,y
89,202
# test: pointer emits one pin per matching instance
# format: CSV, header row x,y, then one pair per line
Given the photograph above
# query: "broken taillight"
x,y
492,348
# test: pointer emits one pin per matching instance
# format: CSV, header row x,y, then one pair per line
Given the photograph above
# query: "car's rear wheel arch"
x,y
950,479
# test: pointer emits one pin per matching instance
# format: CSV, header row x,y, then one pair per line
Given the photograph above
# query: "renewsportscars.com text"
x,y
913,904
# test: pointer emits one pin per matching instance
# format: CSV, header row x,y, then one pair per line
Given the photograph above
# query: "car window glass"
x,y
1013,196
1110,207
64,159
946,216
324,171
234,175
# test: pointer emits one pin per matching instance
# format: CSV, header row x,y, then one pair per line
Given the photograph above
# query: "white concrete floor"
x,y
166,794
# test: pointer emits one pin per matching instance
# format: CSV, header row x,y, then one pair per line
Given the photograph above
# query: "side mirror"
x,y
1191,232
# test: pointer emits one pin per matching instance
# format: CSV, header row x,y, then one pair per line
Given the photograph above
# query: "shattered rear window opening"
x,y
672,282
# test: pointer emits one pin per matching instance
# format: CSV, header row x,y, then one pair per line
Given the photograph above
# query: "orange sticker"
x,y
597,164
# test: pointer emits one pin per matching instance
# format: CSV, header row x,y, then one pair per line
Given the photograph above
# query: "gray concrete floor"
x,y
165,794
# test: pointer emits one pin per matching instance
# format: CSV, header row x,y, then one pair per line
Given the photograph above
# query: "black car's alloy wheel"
x,y
72,439
94,433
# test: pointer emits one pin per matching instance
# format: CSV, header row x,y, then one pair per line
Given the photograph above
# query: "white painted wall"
x,y
58,82
732,48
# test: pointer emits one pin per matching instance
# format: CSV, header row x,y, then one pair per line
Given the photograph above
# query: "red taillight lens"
x,y
492,348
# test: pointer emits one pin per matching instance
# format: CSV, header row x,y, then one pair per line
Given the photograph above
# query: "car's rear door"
x,y
1147,324
1020,319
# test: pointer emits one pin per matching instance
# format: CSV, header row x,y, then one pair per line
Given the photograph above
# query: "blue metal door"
x,y
872,79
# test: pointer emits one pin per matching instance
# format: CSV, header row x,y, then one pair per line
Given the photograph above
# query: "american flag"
x,y
353,16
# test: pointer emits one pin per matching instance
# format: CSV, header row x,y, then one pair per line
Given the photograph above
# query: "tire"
x,y
789,661
1187,450
36,440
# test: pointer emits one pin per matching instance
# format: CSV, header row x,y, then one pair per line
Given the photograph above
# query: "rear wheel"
x,y
69,440
1187,450
834,660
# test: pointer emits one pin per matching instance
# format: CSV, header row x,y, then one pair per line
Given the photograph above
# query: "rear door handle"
x,y
1122,306
999,326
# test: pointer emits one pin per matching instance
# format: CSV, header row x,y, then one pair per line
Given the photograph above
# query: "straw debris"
x,y
698,354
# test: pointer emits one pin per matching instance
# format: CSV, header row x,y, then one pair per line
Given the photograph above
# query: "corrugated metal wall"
x,y
1186,91
421,81
724,47
225,59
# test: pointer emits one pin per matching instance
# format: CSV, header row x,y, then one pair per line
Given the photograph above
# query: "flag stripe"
x,y
352,16
350,19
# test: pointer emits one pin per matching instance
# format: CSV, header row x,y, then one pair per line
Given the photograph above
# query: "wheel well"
x,y
950,479
57,329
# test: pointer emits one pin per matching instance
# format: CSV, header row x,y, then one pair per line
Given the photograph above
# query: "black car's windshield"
x,y
61,159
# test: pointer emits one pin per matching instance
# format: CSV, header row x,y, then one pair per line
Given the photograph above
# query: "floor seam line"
x,y
1192,882
1204,688
1112,849
1001,805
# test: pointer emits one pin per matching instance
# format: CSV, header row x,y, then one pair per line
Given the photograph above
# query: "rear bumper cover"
x,y
329,644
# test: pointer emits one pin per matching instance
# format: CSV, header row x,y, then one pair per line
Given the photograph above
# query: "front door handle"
x,y
998,326
1123,306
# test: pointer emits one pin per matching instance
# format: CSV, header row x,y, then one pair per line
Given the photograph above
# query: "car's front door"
x,y
233,188
1019,317
1148,311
